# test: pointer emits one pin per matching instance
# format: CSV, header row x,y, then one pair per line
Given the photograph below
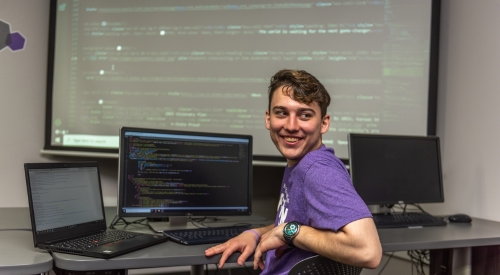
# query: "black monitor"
x,y
165,173
390,169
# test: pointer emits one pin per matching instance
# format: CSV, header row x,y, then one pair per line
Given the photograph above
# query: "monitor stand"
x,y
178,221
173,223
378,208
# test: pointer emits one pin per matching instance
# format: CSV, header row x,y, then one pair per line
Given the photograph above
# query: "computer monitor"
x,y
165,173
390,169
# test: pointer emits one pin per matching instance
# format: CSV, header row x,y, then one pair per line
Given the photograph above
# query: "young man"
x,y
319,212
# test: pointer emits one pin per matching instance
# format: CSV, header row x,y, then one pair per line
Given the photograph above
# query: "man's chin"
x,y
292,157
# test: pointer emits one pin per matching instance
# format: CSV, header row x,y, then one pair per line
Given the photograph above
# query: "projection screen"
x,y
205,66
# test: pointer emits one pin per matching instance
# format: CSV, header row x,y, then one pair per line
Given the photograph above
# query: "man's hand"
x,y
271,240
244,243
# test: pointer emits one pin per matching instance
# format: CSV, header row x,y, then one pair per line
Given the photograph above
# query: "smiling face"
x,y
295,127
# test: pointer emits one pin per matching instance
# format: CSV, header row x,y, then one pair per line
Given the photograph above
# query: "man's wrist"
x,y
255,233
290,231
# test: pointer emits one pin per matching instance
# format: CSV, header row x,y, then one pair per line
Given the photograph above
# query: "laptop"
x,y
67,212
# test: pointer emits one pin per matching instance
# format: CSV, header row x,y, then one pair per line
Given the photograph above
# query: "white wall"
x,y
22,104
468,120
22,90
468,108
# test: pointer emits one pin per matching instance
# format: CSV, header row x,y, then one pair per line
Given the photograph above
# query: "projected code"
x,y
165,66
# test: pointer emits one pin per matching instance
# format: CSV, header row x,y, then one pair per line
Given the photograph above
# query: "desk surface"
x,y
19,256
454,235
17,252
479,233
160,255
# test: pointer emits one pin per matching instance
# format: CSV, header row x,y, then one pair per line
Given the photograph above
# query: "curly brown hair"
x,y
301,86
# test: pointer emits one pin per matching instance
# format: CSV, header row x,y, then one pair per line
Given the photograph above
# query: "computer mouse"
x,y
459,218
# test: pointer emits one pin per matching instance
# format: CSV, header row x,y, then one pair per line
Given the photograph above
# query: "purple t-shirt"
x,y
317,192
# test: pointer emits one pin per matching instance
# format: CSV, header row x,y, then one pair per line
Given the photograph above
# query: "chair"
x,y
319,265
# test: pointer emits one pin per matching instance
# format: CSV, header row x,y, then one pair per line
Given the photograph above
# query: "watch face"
x,y
291,229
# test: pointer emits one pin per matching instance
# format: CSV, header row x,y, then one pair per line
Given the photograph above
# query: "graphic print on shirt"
x,y
282,205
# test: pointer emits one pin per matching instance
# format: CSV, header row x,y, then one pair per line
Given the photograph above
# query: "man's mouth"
x,y
291,139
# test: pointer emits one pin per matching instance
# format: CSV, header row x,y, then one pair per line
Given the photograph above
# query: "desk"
x,y
455,235
161,255
480,233
450,245
17,252
19,256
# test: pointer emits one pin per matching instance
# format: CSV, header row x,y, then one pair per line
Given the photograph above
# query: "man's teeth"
x,y
290,139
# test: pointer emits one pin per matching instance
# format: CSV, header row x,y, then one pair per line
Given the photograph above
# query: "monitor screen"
x,y
177,173
389,169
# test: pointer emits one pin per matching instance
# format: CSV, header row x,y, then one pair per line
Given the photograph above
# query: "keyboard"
x,y
91,241
408,219
205,235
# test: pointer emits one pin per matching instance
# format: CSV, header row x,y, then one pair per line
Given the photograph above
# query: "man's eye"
x,y
305,115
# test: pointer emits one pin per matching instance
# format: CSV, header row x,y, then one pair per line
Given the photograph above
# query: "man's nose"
x,y
292,124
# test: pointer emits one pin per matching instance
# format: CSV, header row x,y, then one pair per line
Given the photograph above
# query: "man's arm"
x,y
357,243
245,243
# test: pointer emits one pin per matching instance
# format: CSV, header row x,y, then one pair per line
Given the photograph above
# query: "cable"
x,y
246,268
119,221
405,206
419,207
113,222
16,229
139,221
419,259
390,257
198,222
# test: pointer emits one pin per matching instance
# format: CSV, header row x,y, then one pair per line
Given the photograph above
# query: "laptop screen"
x,y
64,197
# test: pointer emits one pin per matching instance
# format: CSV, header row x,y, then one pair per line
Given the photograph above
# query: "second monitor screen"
x,y
391,169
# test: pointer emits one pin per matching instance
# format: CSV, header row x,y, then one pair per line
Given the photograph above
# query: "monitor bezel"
x,y
122,177
400,137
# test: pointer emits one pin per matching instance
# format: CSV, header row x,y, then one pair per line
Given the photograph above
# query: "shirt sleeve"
x,y
331,200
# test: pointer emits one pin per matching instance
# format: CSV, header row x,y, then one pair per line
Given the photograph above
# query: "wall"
x,y
22,87
468,116
22,108
467,108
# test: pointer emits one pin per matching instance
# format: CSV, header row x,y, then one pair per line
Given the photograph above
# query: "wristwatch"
x,y
291,230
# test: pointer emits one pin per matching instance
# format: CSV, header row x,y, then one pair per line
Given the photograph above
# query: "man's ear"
x,y
268,120
325,124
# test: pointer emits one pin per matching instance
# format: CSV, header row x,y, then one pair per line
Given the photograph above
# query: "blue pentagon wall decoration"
x,y
15,41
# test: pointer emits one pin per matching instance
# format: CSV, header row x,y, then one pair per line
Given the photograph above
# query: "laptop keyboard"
x,y
91,241
205,235
408,219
